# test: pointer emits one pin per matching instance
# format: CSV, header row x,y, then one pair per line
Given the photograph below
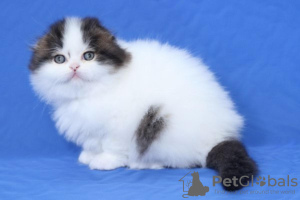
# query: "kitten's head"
x,y
73,55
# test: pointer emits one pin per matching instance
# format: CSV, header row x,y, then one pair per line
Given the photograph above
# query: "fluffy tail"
x,y
230,159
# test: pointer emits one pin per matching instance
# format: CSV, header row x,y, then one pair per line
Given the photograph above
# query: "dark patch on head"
x,y
149,129
47,45
103,43
230,159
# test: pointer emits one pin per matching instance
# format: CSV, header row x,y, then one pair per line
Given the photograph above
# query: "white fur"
x,y
102,111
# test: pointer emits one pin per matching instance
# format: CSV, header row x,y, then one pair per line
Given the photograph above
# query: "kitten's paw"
x,y
145,166
107,161
86,157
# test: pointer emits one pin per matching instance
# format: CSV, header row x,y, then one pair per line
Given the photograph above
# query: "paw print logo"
x,y
261,183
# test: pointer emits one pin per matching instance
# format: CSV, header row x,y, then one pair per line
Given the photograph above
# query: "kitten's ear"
x,y
51,39
92,24
103,42
34,47
92,21
40,44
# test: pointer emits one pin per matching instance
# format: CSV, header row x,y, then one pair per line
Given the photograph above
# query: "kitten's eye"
x,y
88,55
59,59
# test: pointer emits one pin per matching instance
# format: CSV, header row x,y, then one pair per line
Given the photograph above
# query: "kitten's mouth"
x,y
75,76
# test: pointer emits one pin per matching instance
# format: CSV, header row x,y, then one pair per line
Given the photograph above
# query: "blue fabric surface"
x,y
252,46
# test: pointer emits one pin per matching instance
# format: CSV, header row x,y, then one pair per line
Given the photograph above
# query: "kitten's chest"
x,y
84,117
115,114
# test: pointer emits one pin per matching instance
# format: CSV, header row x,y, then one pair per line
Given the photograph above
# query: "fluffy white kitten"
x,y
138,104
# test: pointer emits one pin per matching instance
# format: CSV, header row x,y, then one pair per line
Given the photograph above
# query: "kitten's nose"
x,y
74,66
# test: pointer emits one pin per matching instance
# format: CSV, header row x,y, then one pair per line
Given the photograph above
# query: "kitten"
x,y
138,104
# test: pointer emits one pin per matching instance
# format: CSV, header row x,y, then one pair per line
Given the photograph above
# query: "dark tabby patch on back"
x,y
149,129
103,43
47,45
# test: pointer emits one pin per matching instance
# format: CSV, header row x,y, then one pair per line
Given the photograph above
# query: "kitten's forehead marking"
x,y
73,42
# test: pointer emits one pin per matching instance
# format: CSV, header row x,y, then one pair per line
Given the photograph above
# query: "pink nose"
x,y
74,66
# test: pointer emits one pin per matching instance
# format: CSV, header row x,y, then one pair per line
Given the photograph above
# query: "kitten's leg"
x,y
114,153
86,157
137,165
107,161
230,159
91,148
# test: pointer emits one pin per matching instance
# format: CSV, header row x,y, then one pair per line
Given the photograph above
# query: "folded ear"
x,y
47,44
33,47
103,42
93,24
92,21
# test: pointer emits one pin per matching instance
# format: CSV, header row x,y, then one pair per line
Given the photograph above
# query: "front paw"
x,y
145,166
107,161
86,157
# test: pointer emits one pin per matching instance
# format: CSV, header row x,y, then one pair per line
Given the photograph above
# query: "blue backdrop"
x,y
252,46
